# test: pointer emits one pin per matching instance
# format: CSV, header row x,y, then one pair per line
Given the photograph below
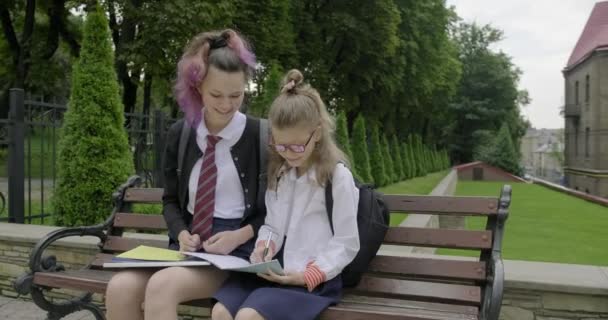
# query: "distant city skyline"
x,y
540,36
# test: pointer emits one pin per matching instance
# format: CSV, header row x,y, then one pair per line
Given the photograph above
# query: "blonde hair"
x,y
300,104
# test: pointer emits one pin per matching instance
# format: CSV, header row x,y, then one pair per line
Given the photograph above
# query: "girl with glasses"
x,y
303,158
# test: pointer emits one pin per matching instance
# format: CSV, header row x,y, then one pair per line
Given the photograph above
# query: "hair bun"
x,y
292,80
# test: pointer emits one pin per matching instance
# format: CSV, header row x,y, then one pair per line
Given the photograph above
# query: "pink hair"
x,y
192,69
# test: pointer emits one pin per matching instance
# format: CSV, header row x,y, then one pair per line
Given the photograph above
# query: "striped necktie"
x,y
205,193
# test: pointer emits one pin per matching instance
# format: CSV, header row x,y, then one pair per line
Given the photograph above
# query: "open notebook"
x,y
150,257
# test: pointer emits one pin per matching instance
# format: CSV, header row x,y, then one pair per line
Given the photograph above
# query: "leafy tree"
x,y
397,159
487,94
376,155
408,169
503,154
269,90
360,152
94,155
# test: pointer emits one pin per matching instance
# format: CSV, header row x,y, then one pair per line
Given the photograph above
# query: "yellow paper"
x,y
152,253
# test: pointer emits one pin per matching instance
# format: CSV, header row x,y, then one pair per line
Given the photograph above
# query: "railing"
x,y
28,146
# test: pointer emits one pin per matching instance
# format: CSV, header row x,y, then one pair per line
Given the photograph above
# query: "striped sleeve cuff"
x,y
313,276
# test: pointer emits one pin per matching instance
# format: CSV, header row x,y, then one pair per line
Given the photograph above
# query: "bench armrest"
x,y
494,290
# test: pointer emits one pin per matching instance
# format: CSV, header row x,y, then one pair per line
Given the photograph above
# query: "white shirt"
x,y
229,197
297,209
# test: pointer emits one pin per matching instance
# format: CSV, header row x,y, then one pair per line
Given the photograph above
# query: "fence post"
x,y
159,147
16,156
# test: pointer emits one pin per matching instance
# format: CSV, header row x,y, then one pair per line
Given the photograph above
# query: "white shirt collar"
x,y
231,133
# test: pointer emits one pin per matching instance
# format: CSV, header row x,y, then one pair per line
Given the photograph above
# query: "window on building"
x,y
587,89
576,92
575,126
587,132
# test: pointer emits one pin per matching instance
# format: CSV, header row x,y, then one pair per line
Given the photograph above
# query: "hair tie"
x,y
289,86
217,43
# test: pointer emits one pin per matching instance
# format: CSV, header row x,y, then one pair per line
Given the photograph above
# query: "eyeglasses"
x,y
297,148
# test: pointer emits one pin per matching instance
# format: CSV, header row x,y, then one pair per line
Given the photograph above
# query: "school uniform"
x,y
296,212
237,198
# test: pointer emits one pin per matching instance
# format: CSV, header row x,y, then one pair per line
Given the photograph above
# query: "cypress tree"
x,y
376,158
343,139
360,153
389,166
94,155
397,159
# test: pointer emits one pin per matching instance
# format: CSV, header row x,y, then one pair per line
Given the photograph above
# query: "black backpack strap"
x,y
263,158
181,151
329,204
263,147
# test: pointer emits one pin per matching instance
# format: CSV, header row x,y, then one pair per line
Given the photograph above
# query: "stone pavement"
x,y
16,309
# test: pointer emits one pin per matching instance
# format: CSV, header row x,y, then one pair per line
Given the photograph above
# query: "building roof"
x,y
499,171
594,36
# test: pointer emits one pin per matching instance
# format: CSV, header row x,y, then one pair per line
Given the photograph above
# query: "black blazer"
x,y
245,154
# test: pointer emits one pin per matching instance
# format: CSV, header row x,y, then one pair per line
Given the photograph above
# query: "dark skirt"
x,y
276,302
219,225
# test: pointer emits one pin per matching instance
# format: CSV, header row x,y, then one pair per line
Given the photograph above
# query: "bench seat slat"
x,y
440,268
419,290
442,205
440,238
88,280
121,244
352,307
356,311
140,221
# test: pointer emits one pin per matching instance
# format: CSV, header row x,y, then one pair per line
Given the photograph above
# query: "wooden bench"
x,y
396,287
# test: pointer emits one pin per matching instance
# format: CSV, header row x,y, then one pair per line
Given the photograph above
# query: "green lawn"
x,y
420,185
545,225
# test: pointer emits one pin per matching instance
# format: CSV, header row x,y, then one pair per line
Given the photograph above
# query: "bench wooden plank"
x,y
120,244
440,238
355,311
140,221
84,280
442,205
144,195
419,290
439,268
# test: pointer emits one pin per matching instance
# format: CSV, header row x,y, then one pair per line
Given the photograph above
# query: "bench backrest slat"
x,y
120,244
427,267
440,238
419,290
140,221
441,205
144,195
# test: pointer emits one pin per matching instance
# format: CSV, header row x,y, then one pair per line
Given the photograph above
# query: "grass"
x,y
419,185
544,225
34,208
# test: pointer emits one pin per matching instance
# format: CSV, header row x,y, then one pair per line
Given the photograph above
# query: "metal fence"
x,y
28,146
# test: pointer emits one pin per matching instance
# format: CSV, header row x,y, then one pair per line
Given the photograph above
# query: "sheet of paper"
x,y
152,253
237,264
263,267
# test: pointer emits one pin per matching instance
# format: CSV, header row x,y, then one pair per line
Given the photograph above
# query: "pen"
x,y
267,245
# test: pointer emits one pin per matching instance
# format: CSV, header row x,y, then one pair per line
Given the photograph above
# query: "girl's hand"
x,y
256,255
289,279
188,242
223,242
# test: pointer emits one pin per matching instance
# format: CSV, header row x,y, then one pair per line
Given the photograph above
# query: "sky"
x,y
539,35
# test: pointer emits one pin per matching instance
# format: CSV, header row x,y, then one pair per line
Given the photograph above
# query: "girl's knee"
x,y
219,312
160,284
127,285
248,314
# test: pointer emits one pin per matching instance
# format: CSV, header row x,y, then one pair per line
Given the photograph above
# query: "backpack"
x,y
183,142
372,221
